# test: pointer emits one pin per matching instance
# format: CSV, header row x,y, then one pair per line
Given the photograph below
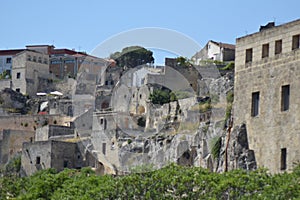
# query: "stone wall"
x,y
5,83
53,132
31,122
272,131
50,154
12,143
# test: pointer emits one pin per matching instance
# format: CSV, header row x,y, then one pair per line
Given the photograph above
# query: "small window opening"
x,y
255,104
283,159
65,163
285,97
8,60
104,148
248,55
38,160
265,50
278,47
296,43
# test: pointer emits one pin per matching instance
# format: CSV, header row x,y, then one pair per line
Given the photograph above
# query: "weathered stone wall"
x,y
53,131
50,154
30,154
12,143
27,67
272,129
31,122
5,83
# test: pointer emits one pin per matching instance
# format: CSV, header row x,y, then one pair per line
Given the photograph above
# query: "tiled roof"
x,y
11,52
224,45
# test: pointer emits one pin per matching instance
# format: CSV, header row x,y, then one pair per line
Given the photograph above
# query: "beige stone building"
x,y
28,66
267,80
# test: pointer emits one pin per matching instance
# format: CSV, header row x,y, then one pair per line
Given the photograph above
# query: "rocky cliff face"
x,y
210,145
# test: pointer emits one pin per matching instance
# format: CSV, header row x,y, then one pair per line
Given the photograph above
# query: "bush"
x,y
160,96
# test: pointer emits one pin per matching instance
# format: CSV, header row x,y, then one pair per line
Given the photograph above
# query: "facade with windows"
x,y
28,66
6,60
267,79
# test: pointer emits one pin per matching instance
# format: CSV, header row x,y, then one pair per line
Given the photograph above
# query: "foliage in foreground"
x,y
172,182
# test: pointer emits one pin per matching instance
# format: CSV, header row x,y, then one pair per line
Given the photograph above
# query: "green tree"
x,y
133,56
159,96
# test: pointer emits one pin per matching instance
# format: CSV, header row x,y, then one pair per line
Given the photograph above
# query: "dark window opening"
x,y
104,126
18,75
29,57
104,148
65,163
40,60
265,50
34,58
140,96
38,160
283,159
296,42
101,121
255,104
8,60
285,97
18,90
278,47
248,55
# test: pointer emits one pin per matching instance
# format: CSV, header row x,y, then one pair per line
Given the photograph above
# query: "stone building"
x,y
54,154
57,147
215,51
6,59
266,94
28,68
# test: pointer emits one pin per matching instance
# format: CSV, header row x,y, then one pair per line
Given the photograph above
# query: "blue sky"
x,y
84,25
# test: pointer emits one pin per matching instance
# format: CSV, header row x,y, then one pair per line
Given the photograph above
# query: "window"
x,y
45,61
255,104
29,57
38,160
296,43
248,55
17,89
69,61
65,163
285,97
34,59
18,75
283,159
40,60
278,47
265,50
103,123
8,60
104,148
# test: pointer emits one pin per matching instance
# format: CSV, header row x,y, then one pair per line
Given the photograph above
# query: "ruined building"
x,y
266,94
